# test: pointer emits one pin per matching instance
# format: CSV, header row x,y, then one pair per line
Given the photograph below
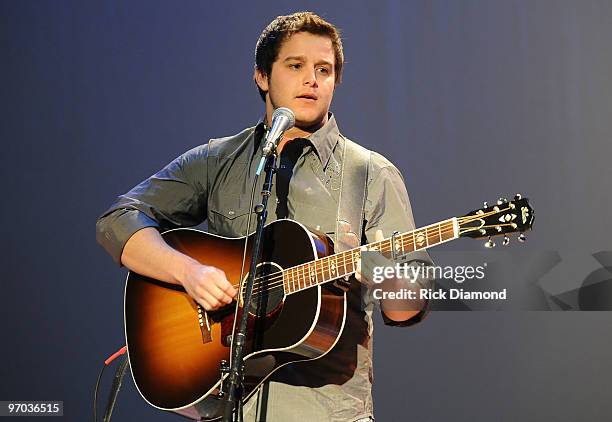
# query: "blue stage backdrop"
x,y
472,100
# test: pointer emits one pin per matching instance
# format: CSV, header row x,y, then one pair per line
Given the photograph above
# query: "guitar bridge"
x,y
204,325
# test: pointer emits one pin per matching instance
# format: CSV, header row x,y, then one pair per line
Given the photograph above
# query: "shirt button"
x,y
231,212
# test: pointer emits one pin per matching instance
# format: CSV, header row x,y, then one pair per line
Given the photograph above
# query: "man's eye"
x,y
324,70
295,66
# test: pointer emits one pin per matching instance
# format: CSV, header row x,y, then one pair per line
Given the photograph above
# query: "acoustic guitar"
x,y
177,349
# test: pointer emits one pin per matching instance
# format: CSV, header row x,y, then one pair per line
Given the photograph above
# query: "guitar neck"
x,y
343,264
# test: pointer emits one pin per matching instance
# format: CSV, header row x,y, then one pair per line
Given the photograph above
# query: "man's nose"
x,y
310,78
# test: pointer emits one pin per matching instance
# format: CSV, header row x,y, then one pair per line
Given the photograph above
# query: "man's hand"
x,y
147,253
394,309
208,285
378,236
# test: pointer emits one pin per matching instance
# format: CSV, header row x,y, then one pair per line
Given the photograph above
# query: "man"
x,y
299,61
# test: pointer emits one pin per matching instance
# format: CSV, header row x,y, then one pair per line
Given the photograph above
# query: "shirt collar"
x,y
324,139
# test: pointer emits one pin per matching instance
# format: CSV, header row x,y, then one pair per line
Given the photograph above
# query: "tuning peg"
x,y
502,201
485,204
489,243
521,237
506,240
518,196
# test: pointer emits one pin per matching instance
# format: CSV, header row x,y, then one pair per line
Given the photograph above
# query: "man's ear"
x,y
261,80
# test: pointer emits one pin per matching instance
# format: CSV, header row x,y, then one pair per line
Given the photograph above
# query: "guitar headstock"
x,y
515,216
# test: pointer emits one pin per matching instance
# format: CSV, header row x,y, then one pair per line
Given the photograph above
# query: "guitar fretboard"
x,y
343,264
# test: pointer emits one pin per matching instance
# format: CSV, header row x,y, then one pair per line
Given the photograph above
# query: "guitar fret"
x,y
349,262
289,282
307,275
331,267
323,279
335,269
405,241
325,272
419,239
450,233
289,279
313,274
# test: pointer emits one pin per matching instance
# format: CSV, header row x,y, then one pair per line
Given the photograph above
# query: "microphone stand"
x,y
233,398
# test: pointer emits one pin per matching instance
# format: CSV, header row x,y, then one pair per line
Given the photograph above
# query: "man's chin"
x,y
310,123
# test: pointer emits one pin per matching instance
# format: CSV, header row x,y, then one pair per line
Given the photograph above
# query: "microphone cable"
x,y
119,374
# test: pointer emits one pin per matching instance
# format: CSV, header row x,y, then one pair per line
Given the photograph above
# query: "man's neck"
x,y
298,132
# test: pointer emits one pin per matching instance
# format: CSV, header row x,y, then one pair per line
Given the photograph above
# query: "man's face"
x,y
302,79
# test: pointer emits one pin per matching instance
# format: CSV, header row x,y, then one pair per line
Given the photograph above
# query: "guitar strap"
x,y
351,209
353,192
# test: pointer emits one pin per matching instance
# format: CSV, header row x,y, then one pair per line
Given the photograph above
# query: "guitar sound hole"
x,y
268,289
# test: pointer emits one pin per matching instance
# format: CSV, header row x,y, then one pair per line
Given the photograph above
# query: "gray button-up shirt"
x,y
213,182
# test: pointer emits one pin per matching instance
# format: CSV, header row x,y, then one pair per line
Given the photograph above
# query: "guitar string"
x,y
280,284
275,281
409,240
382,249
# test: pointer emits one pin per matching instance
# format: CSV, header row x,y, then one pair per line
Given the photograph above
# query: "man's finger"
x,y
379,236
213,302
219,293
229,289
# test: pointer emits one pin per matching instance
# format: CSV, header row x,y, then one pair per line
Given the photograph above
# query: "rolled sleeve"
x,y
415,258
115,229
388,209
176,196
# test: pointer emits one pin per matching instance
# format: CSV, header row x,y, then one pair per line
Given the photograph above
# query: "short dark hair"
x,y
283,27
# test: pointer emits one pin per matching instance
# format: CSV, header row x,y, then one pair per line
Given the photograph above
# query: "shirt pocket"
x,y
229,217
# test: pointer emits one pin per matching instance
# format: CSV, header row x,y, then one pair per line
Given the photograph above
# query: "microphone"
x,y
283,119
